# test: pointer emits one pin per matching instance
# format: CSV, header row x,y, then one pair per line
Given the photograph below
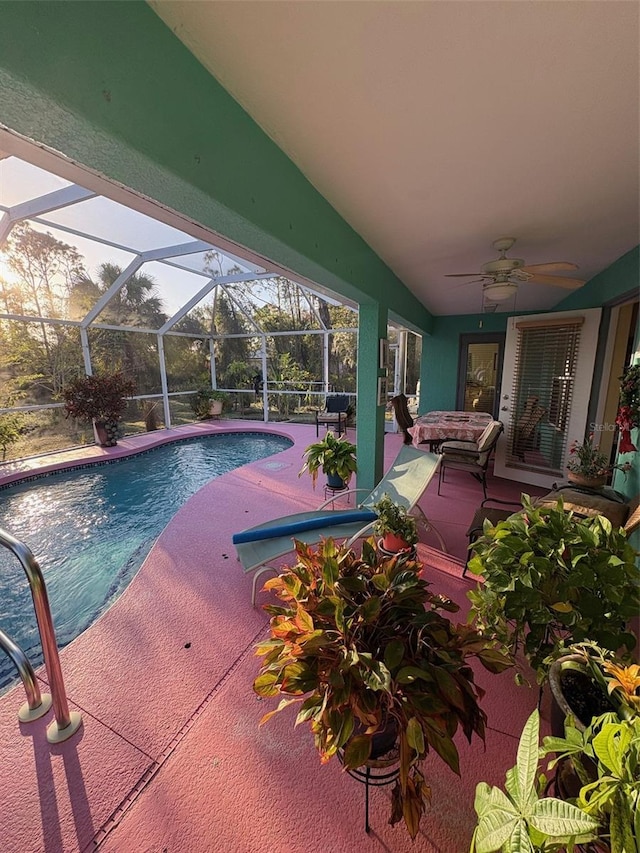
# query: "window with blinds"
x,y
542,393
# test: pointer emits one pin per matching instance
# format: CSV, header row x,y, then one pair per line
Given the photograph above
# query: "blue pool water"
x,y
90,529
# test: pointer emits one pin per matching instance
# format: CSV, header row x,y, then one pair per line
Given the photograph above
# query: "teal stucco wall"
x,y
109,85
619,279
439,365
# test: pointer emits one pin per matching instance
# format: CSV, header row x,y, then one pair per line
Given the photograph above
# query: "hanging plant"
x,y
628,415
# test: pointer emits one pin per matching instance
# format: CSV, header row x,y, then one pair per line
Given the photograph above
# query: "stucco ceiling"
x,y
436,127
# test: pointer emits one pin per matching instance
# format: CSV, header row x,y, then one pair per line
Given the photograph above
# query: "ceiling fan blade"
x,y
460,274
551,267
556,281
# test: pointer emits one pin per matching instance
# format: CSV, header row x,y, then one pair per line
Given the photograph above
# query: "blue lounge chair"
x,y
404,482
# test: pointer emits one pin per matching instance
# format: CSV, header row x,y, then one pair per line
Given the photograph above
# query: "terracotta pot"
x,y
215,408
586,482
402,555
393,543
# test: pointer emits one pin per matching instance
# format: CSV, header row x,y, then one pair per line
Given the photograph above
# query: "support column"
x,y
372,325
265,389
86,352
163,383
325,362
212,364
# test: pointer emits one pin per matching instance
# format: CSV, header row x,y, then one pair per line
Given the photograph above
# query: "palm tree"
x,y
135,305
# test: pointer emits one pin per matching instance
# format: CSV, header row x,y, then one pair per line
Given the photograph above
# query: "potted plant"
x,y
208,402
336,457
397,528
594,691
360,645
589,681
517,820
550,579
604,759
587,466
99,399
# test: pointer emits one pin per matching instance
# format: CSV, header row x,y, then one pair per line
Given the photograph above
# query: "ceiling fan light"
x,y
499,291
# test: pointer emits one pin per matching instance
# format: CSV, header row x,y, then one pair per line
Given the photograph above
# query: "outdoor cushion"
x,y
466,447
491,431
588,505
347,517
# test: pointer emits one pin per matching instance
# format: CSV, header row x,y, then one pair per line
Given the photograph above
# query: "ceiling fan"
x,y
500,278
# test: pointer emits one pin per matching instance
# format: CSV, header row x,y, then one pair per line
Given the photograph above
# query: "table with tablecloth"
x,y
434,427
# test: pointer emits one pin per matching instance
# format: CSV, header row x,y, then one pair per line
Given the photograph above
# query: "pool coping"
x,y
86,456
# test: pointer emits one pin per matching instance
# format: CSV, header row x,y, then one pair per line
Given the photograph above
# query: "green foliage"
x,y
359,642
100,398
518,821
288,375
332,455
11,427
551,579
606,758
394,518
200,402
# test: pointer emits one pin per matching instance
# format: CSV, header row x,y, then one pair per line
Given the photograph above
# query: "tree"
x,y
40,356
135,305
11,427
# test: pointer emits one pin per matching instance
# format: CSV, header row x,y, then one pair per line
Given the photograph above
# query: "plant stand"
x,y
376,772
333,491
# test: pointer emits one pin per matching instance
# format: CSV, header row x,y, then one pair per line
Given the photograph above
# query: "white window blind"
x,y
542,392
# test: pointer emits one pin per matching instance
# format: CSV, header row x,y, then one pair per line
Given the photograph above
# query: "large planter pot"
x,y
574,692
106,433
215,408
586,482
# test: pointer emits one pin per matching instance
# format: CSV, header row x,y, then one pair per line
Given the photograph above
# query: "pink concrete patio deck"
x,y
170,758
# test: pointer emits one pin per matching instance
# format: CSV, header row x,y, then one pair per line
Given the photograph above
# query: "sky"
x,y
102,217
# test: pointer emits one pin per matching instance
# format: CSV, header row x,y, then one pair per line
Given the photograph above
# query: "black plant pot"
x,y
384,740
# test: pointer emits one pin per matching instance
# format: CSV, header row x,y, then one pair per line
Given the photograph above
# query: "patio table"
x,y
435,427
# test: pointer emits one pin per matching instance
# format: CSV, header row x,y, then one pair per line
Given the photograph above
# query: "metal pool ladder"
x,y
66,722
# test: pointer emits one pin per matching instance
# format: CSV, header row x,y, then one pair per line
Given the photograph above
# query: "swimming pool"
x,y
90,529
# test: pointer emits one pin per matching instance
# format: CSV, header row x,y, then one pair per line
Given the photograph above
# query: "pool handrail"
x,y
37,703
66,722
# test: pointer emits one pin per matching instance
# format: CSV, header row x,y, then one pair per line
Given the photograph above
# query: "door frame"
x,y
583,386
467,338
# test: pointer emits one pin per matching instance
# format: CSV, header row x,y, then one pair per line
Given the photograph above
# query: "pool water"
x,y
90,529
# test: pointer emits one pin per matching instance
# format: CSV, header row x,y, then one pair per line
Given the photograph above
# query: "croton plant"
x,y
360,643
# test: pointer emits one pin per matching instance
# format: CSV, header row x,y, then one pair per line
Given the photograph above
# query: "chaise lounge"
x,y
405,481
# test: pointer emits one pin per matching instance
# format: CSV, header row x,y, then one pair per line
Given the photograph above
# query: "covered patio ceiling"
x,y
435,128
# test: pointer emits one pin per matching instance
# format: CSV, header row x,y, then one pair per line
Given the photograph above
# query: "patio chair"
x,y
470,455
334,413
403,418
405,481
524,437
